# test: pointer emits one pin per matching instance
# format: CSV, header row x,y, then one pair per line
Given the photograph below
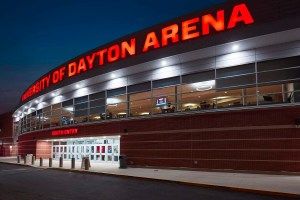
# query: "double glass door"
x,y
98,150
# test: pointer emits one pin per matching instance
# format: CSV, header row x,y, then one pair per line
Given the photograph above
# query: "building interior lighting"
x,y
70,108
122,113
112,100
205,85
145,113
190,105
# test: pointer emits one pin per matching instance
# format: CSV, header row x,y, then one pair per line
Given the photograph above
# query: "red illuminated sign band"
x,y
185,30
71,131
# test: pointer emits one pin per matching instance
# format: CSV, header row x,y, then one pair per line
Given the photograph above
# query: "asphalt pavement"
x,y
28,183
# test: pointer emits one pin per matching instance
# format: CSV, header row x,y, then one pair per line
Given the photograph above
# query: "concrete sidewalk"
x,y
282,184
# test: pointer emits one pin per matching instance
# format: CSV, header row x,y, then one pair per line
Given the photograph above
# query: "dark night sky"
x,y
36,36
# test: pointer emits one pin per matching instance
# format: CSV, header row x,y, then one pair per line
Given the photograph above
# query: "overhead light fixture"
x,y
235,47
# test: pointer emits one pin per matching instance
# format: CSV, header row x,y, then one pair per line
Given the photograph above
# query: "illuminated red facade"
x,y
215,89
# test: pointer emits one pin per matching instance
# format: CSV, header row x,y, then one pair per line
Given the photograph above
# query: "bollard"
x,y
86,163
73,163
25,160
41,162
61,162
33,160
18,158
50,162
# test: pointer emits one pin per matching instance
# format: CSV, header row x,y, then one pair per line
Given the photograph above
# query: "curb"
x,y
203,185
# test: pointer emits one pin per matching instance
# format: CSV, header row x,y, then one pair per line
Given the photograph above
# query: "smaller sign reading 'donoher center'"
x,y
71,131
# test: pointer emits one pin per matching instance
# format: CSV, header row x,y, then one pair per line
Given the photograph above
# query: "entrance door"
x,y
98,149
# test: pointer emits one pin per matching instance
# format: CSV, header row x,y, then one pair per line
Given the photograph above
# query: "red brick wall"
x,y
257,139
27,147
7,146
43,149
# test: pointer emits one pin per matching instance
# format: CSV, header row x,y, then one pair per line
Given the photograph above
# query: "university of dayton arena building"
x,y
215,89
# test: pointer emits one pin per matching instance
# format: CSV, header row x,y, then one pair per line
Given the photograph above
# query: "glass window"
x,y
229,98
81,116
250,96
97,110
81,100
99,95
96,103
118,110
39,111
46,120
166,104
140,103
116,99
67,103
166,82
199,95
270,94
236,70
165,99
39,121
97,113
117,91
278,63
198,77
47,114
33,113
198,100
67,115
164,91
55,121
275,76
47,109
81,106
80,113
236,81
139,87
56,112
116,107
140,107
140,95
56,106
